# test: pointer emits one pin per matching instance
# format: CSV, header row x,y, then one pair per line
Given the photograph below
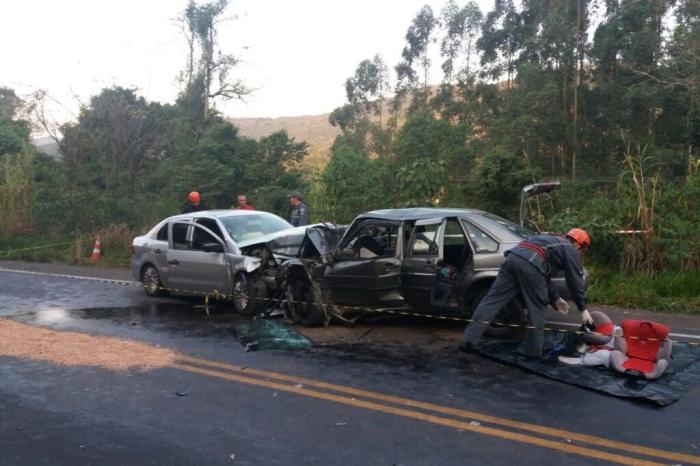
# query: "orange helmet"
x,y
580,236
194,197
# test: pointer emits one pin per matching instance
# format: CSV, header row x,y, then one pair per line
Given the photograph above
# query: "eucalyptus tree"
x,y
415,58
208,71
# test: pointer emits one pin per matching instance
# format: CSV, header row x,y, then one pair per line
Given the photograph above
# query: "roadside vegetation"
x,y
602,95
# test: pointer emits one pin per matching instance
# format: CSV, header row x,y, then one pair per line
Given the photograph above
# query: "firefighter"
x,y
527,271
195,203
300,212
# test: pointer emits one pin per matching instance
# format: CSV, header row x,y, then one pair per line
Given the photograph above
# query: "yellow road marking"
x,y
592,440
507,435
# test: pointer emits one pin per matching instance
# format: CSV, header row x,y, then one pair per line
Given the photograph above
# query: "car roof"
x,y
218,213
418,213
492,223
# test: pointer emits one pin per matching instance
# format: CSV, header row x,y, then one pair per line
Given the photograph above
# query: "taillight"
x,y
133,250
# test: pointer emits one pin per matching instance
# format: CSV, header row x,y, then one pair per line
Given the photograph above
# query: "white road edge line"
x,y
110,280
681,335
78,277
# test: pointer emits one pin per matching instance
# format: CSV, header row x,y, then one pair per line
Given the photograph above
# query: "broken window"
x,y
372,239
455,246
424,242
180,235
162,234
199,237
480,240
211,224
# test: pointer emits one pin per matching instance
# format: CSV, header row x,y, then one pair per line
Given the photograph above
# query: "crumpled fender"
x,y
246,264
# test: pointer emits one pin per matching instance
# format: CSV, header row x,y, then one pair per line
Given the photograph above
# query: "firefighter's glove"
x,y
586,317
561,306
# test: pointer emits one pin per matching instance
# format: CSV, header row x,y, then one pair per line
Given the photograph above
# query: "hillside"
x,y
314,129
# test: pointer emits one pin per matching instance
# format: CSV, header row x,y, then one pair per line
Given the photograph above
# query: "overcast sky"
x,y
296,54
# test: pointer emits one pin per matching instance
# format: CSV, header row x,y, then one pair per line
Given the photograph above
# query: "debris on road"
x,y
78,349
268,334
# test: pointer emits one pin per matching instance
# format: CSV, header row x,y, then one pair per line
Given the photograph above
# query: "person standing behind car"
x,y
242,203
195,203
300,212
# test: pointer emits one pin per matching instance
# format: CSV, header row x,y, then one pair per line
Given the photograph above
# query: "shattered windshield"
x,y
247,227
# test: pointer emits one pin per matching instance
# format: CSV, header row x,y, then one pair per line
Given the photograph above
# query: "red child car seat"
x,y
603,334
644,351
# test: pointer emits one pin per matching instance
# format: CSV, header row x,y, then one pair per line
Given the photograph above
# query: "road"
x,y
386,393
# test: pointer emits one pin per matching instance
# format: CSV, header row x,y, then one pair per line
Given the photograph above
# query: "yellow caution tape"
x,y
215,294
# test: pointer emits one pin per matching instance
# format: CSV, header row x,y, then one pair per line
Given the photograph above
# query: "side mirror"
x,y
327,259
348,253
212,247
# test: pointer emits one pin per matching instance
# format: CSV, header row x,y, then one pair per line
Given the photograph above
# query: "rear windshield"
x,y
514,227
247,227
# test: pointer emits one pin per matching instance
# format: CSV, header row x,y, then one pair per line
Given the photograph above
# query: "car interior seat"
x,y
644,351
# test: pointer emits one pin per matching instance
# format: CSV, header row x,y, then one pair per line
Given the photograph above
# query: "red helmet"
x,y
194,197
580,236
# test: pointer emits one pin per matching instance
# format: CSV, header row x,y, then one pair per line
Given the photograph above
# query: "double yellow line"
x,y
555,439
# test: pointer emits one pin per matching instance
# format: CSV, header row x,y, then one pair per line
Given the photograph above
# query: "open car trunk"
x,y
530,210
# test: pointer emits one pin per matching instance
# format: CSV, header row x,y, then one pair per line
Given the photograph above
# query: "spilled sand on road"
x,y
79,349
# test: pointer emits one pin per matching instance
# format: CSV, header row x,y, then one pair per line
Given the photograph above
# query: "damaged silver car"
x,y
221,252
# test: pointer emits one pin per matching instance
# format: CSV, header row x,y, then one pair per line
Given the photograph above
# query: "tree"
x,y
461,27
208,72
418,39
501,41
427,156
115,140
351,184
365,92
14,132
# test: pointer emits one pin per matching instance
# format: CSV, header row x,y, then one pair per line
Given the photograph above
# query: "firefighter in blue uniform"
x,y
527,272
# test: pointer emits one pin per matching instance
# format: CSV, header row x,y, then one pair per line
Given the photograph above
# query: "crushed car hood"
x,y
285,242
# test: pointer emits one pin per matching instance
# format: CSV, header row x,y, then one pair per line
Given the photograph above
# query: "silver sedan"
x,y
215,251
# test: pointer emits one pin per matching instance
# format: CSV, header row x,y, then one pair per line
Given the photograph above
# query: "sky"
x,y
296,55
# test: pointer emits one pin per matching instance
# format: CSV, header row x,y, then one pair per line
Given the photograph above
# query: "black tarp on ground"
x,y
682,375
268,334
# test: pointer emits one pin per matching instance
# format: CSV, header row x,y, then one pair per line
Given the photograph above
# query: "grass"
x,y
74,250
667,291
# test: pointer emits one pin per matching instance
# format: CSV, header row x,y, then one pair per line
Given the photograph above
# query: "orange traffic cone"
x,y
96,254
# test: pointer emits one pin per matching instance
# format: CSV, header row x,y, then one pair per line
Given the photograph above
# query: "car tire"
x,y
245,295
502,325
150,280
303,303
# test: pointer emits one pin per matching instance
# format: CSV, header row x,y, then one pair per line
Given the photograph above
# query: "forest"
x,y
601,95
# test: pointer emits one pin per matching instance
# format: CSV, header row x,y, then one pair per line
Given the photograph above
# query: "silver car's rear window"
x,y
247,227
513,227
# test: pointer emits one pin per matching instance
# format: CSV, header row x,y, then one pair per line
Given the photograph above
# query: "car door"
x,y
367,268
158,249
422,262
191,268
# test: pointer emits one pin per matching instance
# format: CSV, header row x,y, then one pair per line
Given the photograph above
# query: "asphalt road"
x,y
384,393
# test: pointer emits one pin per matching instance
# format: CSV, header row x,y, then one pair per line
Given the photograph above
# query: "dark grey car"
x,y
424,260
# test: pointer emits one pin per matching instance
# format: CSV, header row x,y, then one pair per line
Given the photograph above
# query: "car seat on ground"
x,y
644,351
602,335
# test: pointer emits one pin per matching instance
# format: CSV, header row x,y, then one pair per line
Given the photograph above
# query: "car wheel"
x,y
502,325
245,295
150,279
304,307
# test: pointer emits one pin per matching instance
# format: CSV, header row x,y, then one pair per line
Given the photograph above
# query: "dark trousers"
x,y
516,277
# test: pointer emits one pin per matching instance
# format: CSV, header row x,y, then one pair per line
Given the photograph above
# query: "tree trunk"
x,y
578,66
